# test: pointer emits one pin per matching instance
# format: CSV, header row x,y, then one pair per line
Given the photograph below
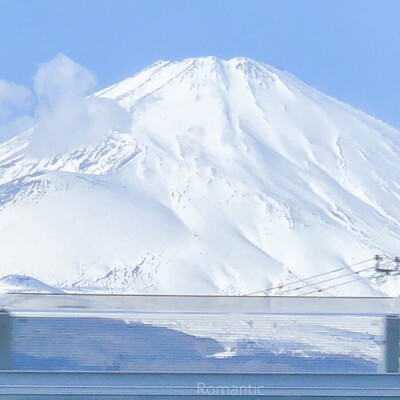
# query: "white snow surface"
x,y
235,177
25,284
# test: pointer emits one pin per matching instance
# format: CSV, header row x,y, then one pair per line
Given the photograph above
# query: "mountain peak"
x,y
200,69
235,177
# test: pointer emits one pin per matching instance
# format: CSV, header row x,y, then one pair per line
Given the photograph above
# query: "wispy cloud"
x,y
13,98
66,115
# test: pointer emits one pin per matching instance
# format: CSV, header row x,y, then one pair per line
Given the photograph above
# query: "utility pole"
x,y
392,346
5,341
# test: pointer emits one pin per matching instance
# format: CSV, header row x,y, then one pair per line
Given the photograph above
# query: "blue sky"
x,y
348,49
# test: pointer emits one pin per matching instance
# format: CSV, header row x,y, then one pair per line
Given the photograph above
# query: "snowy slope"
x,y
235,177
25,284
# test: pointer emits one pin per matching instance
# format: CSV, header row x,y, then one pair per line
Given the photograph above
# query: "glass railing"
x,y
198,334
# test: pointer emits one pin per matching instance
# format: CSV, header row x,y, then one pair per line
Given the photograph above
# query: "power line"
x,y
345,283
333,286
339,277
328,280
309,278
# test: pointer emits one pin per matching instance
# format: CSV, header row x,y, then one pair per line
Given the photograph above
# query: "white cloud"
x,y
13,98
62,79
65,117
15,127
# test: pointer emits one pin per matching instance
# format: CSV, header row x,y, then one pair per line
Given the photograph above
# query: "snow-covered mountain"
x,y
25,284
235,177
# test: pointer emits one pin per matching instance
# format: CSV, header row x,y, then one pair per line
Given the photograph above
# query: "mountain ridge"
x,y
231,176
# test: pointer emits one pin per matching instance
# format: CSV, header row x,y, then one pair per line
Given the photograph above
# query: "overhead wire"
x,y
328,280
359,278
344,283
309,278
